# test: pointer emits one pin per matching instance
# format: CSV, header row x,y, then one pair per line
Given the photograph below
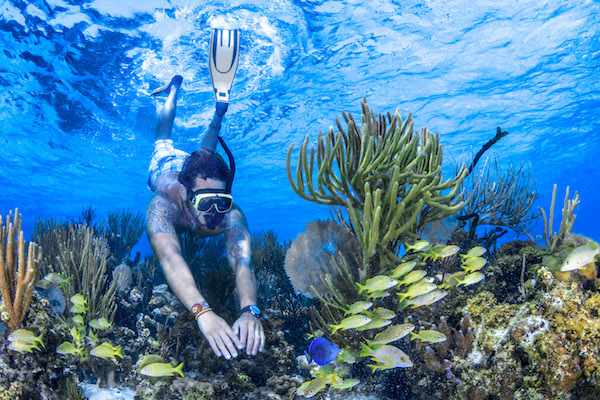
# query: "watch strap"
x,y
252,309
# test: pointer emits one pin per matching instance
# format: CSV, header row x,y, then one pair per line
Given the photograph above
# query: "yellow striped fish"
x,y
391,334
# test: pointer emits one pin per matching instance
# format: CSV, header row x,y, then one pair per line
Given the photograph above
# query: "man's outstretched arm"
x,y
159,226
238,245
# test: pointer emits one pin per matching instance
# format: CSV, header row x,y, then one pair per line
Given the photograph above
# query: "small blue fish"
x,y
322,351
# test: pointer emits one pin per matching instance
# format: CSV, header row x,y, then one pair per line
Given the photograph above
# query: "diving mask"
x,y
204,200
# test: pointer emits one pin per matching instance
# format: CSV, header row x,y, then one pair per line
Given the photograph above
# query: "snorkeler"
x,y
192,192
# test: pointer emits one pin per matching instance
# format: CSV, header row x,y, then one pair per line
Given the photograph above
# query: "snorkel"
x,y
229,182
213,217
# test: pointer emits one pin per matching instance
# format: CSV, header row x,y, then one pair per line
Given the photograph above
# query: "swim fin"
x,y
223,58
166,89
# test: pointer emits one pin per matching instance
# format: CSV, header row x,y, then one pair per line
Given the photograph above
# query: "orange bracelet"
x,y
202,312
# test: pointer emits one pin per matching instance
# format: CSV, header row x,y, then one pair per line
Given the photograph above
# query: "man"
x,y
193,192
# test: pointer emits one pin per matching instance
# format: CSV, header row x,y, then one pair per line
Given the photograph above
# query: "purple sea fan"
x,y
312,254
55,297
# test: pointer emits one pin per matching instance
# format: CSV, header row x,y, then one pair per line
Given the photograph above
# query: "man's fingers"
x,y
233,337
261,347
250,341
229,346
224,348
243,335
256,343
240,331
213,346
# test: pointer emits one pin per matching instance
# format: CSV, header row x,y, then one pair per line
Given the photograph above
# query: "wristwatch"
x,y
252,309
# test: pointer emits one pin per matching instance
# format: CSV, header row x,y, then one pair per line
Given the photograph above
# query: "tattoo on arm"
x,y
160,216
238,245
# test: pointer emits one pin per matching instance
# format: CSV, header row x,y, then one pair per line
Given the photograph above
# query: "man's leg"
x,y
211,136
167,114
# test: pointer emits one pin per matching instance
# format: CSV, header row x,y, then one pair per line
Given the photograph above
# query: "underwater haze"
x,y
78,120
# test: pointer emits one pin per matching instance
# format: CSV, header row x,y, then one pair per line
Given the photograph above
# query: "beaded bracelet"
x,y
200,308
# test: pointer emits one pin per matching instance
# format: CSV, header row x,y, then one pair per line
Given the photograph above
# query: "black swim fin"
x,y
165,89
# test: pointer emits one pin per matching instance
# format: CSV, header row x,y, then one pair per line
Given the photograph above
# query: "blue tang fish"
x,y
322,351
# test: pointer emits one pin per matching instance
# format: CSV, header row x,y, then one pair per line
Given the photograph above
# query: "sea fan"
x,y
318,251
56,299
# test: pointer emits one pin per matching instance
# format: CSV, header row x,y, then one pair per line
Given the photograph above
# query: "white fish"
x,y
581,256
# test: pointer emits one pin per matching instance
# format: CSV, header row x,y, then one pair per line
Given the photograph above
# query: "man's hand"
x,y
220,336
251,333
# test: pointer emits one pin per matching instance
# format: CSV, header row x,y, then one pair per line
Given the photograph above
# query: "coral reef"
x,y
268,258
544,346
520,334
274,288
208,262
284,386
122,275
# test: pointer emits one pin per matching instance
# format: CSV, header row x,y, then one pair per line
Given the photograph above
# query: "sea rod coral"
x,y
386,176
18,269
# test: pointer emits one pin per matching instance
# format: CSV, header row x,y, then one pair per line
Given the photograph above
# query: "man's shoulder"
x,y
172,193
236,217
161,215
162,202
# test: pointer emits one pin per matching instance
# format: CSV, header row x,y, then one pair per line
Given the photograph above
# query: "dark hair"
x,y
203,163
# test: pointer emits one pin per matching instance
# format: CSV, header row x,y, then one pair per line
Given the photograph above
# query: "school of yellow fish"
x,y
417,290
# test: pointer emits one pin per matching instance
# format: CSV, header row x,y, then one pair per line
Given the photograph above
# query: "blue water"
x,y
78,122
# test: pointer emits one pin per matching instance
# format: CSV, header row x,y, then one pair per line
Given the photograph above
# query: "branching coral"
x,y
77,253
274,287
503,199
18,269
267,252
387,177
71,391
553,239
87,217
217,285
124,230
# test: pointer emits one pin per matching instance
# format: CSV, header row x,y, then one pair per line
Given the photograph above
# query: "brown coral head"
x,y
588,271
316,251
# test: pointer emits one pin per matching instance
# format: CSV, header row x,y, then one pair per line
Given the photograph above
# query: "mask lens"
x,y
222,203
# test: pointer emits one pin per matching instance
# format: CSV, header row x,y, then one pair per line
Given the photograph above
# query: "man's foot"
x,y
175,81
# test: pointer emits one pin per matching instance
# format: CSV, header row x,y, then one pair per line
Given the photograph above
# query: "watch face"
x,y
255,310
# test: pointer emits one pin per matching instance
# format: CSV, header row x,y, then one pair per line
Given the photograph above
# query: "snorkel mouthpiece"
x,y
213,218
